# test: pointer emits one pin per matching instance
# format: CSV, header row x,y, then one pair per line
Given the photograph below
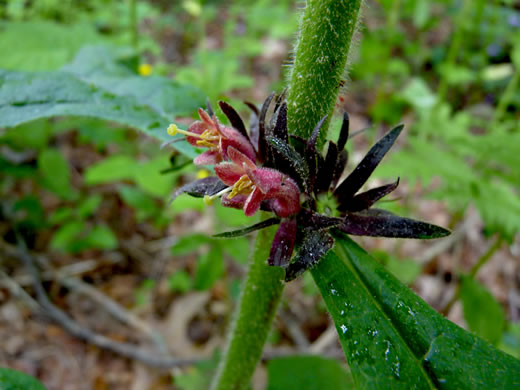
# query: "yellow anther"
x,y
204,143
244,186
202,173
172,129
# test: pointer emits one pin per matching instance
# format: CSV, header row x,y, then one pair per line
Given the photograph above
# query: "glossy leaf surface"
x,y
307,373
142,103
393,339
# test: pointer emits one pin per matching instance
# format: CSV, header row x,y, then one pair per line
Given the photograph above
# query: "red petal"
x,y
228,172
240,159
253,202
267,179
209,157
233,138
205,118
197,127
237,202
285,201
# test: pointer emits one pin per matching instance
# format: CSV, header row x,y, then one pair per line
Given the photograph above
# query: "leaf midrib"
x,y
343,256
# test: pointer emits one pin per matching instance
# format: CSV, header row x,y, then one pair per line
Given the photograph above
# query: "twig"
x,y
294,330
107,303
18,291
76,330
326,338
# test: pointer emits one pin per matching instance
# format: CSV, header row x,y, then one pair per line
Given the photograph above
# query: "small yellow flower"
x,y
202,173
145,69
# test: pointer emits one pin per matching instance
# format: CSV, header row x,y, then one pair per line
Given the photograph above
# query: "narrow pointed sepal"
x,y
283,243
280,127
366,199
381,223
362,172
289,161
343,133
316,243
326,170
262,131
199,188
234,119
249,229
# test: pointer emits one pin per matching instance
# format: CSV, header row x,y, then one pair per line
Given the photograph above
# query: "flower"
x,y
249,186
298,184
209,133
145,69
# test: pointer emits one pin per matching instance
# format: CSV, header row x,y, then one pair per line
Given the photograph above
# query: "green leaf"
x,y
100,237
42,45
393,339
482,312
28,96
237,248
76,236
180,281
116,167
104,67
146,175
307,373
150,179
16,380
144,205
210,268
55,173
65,238
191,243
89,206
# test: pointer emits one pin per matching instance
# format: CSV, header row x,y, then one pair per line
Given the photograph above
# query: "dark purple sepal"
x,y
234,118
253,125
289,161
311,155
382,223
362,172
209,109
252,107
310,219
341,163
326,170
315,244
343,133
262,141
280,126
366,199
249,229
199,188
283,243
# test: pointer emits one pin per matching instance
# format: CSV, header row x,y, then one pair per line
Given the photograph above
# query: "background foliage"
x,y
89,187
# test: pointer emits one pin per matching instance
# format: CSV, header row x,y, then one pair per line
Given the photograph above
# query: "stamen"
x,y
244,185
173,130
208,199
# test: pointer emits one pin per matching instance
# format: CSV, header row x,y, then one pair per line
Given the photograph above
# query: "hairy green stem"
x,y
322,50
256,309
321,55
